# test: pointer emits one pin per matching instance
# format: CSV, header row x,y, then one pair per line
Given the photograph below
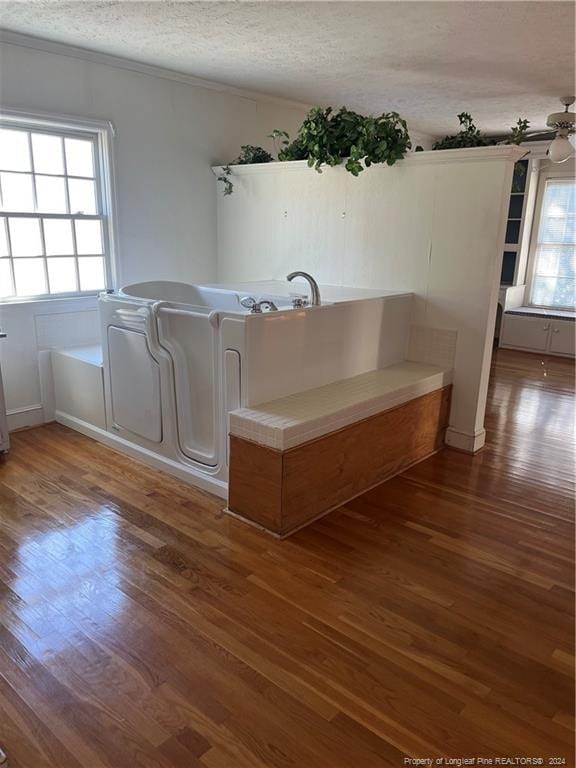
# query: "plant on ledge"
x,y
328,138
249,154
331,138
470,136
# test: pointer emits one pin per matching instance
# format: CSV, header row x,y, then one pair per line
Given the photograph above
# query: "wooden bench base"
x,y
284,490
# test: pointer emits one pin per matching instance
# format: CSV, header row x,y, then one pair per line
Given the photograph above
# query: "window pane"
x,y
17,194
82,196
515,208
30,277
51,194
512,232
47,151
25,237
555,262
58,237
5,279
79,160
3,238
88,237
62,275
91,273
508,267
14,150
554,291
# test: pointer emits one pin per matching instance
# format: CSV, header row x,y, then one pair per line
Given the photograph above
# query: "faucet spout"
x,y
314,289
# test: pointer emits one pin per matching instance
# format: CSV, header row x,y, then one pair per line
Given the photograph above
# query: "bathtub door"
x,y
134,384
191,340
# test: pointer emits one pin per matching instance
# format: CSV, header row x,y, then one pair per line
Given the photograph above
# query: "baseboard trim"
x,y
464,441
188,475
24,418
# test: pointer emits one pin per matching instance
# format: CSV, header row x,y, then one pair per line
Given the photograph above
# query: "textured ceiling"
x,y
428,60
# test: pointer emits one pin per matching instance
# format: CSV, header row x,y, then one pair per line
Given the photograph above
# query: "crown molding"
x,y
63,49
508,152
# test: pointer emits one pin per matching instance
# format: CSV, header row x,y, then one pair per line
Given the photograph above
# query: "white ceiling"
x,y
427,60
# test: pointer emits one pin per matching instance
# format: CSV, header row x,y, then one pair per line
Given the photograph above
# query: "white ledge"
x,y
509,152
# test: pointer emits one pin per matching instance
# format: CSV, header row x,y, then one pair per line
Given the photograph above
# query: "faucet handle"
x,y
299,300
255,307
270,304
249,302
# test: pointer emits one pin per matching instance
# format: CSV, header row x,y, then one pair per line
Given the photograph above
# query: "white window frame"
x,y
102,133
545,174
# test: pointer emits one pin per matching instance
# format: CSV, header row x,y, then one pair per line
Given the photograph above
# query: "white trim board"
x,y
63,49
24,418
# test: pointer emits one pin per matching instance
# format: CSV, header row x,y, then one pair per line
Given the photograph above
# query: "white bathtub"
x,y
178,358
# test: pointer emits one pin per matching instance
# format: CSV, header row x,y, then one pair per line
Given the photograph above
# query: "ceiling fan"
x,y
563,124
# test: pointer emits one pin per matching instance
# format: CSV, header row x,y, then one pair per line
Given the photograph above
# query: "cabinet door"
x,y
525,332
563,337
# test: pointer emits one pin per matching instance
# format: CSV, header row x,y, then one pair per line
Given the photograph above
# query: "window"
x,y
554,261
54,215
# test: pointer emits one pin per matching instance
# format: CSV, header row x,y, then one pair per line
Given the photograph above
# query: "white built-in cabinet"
x,y
562,338
538,334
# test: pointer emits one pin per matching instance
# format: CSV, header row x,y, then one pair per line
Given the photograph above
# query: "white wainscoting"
x,y
32,328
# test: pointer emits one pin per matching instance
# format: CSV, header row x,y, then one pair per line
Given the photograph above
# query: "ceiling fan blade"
x,y
549,134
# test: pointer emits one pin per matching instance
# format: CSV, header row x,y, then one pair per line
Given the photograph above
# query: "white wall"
x,y
432,224
168,134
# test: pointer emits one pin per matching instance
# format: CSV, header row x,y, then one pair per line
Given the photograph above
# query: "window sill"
x,y
48,300
563,314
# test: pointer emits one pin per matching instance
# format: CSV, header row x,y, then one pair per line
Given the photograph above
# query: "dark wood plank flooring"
x,y
139,626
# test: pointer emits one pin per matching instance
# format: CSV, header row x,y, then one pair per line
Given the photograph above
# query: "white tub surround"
x,y
179,358
433,224
78,375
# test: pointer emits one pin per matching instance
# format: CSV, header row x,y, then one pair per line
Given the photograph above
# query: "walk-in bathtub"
x,y
178,358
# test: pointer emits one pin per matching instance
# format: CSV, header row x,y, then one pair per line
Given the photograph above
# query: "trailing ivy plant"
x,y
224,177
470,136
249,154
328,138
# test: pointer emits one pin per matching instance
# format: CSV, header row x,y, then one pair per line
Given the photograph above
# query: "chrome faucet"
x,y
256,307
314,290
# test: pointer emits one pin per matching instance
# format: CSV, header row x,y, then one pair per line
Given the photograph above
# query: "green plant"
x,y
328,138
248,154
224,177
470,136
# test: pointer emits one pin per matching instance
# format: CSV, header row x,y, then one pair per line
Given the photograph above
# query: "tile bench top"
x,y
304,416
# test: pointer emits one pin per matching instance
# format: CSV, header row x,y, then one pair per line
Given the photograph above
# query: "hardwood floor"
x,y
431,617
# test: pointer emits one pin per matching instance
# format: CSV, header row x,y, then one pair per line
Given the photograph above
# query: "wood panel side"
x,y
335,468
255,482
